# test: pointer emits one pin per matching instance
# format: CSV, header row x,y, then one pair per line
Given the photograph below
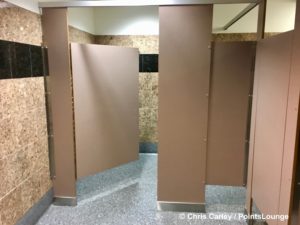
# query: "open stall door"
x,y
105,81
229,106
272,85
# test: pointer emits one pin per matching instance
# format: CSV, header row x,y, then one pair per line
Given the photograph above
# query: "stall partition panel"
x,y
230,101
273,75
105,80
55,27
184,64
291,143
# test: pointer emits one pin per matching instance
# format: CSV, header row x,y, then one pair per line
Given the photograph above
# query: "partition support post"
x,y
55,35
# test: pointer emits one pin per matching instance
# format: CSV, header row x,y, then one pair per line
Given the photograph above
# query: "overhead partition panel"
x,y
106,106
272,73
184,66
230,98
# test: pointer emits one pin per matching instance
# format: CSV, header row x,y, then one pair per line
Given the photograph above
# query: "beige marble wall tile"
x,y
79,36
6,137
234,37
238,36
22,165
147,44
30,192
7,181
148,90
148,104
148,124
20,25
24,161
15,168
46,183
11,207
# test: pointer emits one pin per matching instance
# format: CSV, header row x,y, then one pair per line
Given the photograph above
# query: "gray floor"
x,y
127,195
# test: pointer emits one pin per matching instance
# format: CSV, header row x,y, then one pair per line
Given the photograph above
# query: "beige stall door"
x,y
273,73
106,106
231,85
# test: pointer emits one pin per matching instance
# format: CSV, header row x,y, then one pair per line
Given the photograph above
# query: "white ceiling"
x,y
144,20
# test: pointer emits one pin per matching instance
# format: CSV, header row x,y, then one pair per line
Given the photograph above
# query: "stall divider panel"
x,y
292,122
273,75
105,80
184,66
230,94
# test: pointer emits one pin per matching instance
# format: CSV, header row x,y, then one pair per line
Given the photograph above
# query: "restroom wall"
x,y
80,36
20,25
24,163
239,36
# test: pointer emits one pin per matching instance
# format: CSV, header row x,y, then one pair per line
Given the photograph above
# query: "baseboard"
x,y
37,210
181,207
65,201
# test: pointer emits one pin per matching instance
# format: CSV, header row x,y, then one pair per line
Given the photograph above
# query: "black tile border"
x,y
148,63
35,213
20,60
148,147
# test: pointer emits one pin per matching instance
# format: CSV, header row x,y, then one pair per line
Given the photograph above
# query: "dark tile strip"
x,y
148,147
35,213
148,63
45,62
36,61
5,62
19,60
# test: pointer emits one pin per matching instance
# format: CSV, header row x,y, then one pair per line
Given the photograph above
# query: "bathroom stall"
x,y
224,109
94,102
205,91
210,119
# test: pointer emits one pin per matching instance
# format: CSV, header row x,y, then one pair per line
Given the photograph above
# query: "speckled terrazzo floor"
x,y
127,195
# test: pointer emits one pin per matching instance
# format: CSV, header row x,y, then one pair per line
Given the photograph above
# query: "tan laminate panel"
x,y
55,34
106,106
292,122
273,72
248,204
231,84
184,64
